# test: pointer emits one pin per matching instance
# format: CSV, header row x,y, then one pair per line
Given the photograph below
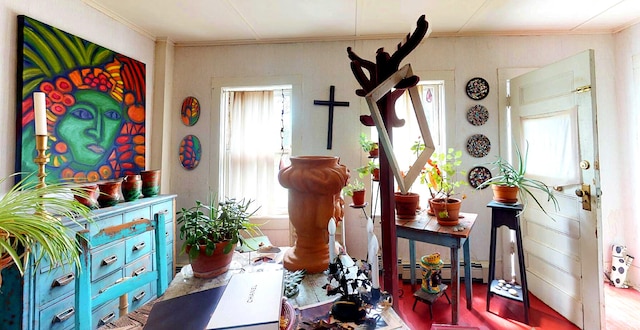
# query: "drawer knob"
x,y
139,296
139,271
63,280
139,246
64,315
107,318
109,260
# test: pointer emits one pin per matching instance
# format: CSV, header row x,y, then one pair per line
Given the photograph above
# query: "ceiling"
x,y
210,22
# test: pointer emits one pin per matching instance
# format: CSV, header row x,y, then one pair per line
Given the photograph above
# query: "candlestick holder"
x,y
42,158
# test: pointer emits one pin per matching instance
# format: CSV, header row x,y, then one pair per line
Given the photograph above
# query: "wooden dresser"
x,y
44,298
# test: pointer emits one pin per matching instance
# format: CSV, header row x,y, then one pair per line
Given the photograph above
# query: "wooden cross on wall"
x,y
331,103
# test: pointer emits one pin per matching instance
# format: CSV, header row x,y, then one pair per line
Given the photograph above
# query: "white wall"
x,y
622,224
322,64
74,17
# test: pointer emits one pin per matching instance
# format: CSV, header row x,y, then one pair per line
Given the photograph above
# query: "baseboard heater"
x,y
479,272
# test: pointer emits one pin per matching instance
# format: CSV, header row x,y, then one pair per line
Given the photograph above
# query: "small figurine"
x,y
431,272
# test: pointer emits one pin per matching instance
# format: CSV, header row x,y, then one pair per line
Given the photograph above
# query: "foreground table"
x,y
425,228
311,291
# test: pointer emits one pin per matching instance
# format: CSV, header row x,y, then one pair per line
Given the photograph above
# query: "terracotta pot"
x,y
91,201
374,153
358,197
447,211
109,193
376,174
505,194
205,266
314,184
150,183
131,188
406,205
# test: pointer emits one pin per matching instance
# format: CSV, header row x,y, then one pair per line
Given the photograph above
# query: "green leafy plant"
x,y
214,222
443,173
367,144
355,185
368,169
511,175
31,222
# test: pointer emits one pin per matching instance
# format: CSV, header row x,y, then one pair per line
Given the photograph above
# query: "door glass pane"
x,y
553,147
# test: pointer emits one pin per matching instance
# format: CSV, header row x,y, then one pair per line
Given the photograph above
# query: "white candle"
x,y
332,240
39,105
373,260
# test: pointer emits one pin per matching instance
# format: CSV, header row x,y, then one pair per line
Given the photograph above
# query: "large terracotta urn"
x,y
314,184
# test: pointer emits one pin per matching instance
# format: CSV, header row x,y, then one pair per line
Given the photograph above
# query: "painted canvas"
x,y
95,100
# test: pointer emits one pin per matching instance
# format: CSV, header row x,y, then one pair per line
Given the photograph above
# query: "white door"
x,y
553,109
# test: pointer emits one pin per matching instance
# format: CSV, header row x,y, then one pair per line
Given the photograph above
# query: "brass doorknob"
x,y
579,192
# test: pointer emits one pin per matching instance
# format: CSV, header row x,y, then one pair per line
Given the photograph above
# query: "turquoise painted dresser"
x,y
44,298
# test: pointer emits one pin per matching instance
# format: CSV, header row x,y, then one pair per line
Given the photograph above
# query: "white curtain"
x,y
253,151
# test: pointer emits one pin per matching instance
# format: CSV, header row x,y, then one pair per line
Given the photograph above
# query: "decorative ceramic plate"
x,y
477,115
478,175
477,88
190,152
190,112
478,145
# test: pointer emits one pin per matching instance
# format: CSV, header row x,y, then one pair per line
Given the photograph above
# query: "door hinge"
x,y
582,89
508,101
512,248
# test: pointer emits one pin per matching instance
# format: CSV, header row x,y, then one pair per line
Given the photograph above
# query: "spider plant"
x,y
31,225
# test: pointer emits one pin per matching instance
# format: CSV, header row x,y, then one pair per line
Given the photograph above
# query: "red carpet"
x,y
504,313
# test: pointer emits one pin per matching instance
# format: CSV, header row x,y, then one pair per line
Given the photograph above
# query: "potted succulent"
x,y
356,190
442,179
212,230
372,168
511,182
369,146
31,228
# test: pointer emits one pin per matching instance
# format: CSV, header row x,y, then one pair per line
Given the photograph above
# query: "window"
x,y
257,140
432,96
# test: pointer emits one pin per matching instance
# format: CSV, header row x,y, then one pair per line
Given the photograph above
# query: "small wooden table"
x,y
425,228
430,298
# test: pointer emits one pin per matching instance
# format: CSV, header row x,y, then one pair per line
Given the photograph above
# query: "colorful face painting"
x,y
95,100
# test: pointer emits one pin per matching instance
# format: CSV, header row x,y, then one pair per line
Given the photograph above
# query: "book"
x,y
191,311
250,301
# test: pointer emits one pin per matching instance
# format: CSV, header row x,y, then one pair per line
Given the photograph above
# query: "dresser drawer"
x,y
141,296
163,207
54,284
143,212
107,260
102,223
58,316
105,314
139,267
104,283
138,246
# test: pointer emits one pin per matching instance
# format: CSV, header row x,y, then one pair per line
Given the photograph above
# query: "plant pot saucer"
x,y
361,206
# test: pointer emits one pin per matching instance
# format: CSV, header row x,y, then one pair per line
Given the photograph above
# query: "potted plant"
x,y
511,182
442,179
407,204
31,227
355,189
372,168
211,232
369,146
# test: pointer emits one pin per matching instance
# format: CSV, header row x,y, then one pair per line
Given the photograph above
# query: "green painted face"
x,y
90,127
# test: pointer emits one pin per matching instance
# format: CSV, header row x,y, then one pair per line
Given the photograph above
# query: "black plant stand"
x,y
507,215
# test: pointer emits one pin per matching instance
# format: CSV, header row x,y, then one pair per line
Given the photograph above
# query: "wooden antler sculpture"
x,y
385,66
376,73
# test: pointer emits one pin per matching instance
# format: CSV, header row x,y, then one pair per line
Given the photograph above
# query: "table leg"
x,y
412,260
455,284
468,280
